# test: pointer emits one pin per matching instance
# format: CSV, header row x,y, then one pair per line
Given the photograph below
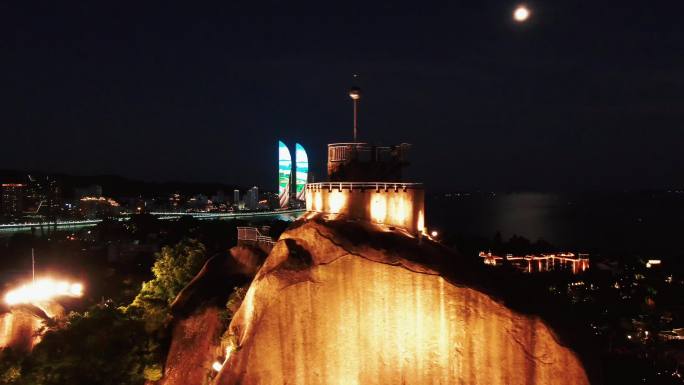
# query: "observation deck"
x,y
388,203
365,183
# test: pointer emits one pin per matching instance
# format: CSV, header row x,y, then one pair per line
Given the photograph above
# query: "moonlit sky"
x,y
582,96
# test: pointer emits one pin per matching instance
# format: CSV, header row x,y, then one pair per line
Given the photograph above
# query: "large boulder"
x,y
199,313
195,345
345,302
20,327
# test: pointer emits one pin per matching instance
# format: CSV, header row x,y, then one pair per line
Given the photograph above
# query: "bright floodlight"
x,y
521,14
43,290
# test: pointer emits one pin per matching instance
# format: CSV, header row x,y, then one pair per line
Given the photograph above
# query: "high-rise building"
x,y
236,197
12,199
252,198
43,196
219,197
284,174
302,171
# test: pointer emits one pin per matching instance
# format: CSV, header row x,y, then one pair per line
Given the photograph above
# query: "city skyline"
x,y
575,98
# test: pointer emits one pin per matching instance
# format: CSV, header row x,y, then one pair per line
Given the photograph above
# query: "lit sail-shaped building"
x,y
302,171
284,174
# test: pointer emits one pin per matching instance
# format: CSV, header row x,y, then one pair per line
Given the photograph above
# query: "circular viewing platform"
x,y
396,204
362,186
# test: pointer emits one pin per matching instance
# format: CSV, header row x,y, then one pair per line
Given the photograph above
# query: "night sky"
x,y
585,95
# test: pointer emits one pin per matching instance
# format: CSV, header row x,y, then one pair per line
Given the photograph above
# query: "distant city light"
x,y
653,262
43,289
521,13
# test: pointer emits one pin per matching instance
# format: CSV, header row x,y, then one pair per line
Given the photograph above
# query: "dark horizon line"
x,y
15,173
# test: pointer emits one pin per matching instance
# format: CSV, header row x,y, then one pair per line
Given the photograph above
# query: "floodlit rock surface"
x,y
20,327
199,316
195,345
350,303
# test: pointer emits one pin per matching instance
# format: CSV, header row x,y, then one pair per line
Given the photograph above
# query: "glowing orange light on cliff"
x,y
309,201
421,222
382,204
43,290
378,208
318,201
336,201
399,209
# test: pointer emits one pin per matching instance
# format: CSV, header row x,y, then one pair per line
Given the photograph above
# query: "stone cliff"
x,y
346,302
20,327
199,316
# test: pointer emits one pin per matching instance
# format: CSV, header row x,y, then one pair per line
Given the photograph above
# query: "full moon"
x,y
521,14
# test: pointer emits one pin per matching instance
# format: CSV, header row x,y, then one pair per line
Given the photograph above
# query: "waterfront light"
x,y
44,289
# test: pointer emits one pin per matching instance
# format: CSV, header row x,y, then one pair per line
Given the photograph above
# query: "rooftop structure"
x,y
365,182
358,162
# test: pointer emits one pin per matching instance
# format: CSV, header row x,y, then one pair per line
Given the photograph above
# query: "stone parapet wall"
x,y
392,204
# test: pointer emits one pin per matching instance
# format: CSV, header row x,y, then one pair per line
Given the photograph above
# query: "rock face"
x,y
351,303
195,345
199,312
19,328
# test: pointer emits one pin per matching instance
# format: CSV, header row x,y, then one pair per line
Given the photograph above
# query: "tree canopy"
x,y
111,345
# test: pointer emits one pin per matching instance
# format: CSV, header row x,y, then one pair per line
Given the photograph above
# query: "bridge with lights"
x,y
288,215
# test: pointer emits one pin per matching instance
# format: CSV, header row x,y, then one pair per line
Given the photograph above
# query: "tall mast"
x,y
355,94
33,266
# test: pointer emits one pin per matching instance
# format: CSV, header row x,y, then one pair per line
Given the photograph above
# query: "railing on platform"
x,y
253,235
362,186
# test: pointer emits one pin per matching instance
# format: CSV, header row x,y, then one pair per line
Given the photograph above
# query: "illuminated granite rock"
x,y
195,345
199,316
348,302
20,328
